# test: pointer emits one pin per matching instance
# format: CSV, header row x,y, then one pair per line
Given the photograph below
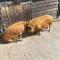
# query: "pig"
x,y
14,32
40,23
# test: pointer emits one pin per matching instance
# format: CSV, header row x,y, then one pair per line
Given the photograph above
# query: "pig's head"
x,y
29,28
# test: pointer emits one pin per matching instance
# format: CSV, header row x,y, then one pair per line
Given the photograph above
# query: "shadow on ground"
x,y
24,36
29,34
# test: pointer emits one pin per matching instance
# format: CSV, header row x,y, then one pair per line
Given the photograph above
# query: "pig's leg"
x,y
20,37
40,31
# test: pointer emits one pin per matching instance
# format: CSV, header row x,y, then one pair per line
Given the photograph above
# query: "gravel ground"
x,y
35,47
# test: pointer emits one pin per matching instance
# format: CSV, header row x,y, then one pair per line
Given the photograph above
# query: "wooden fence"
x,y
10,13
44,7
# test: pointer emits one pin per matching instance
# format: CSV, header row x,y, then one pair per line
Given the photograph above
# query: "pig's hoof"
x,y
19,39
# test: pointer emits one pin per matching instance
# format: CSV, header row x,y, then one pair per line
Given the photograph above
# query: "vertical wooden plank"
x,y
4,15
8,14
17,12
28,13
0,16
14,12
20,12
24,11
11,14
